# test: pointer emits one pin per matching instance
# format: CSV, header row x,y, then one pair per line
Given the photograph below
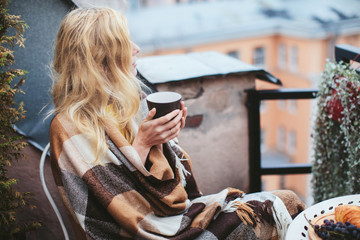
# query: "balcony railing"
x,y
343,53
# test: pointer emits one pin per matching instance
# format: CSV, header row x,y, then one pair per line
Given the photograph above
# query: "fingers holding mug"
x,y
174,132
184,114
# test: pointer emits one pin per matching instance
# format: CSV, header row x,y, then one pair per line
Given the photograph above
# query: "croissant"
x,y
348,213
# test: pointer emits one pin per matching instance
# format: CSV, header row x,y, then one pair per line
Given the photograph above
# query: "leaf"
x,y
12,28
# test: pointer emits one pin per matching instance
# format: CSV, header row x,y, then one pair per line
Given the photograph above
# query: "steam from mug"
x,y
164,102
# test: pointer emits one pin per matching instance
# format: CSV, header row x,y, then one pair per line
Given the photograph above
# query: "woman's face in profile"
x,y
135,51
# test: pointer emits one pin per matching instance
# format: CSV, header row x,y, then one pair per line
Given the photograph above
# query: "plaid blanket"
x,y
120,198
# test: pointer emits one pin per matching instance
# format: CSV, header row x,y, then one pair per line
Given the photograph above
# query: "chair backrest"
x,y
46,190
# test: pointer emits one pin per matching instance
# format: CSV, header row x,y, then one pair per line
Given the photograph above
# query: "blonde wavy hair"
x,y
92,63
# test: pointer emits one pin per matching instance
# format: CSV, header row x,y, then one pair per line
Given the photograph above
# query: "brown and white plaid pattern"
x,y
123,199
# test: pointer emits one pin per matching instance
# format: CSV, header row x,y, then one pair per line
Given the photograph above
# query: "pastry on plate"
x,y
342,213
348,213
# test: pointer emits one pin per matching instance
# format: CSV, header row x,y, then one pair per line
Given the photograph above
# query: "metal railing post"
x,y
344,53
253,106
256,170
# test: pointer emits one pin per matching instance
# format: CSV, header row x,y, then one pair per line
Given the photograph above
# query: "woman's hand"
x,y
184,110
154,132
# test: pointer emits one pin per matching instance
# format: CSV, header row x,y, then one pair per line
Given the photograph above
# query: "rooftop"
x,y
167,68
201,22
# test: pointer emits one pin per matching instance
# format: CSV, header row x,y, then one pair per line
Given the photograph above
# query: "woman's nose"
x,y
136,49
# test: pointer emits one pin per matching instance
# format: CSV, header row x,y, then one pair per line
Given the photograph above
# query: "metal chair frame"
x,y
46,190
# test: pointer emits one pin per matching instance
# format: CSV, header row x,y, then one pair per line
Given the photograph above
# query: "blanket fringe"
x,y
243,210
181,169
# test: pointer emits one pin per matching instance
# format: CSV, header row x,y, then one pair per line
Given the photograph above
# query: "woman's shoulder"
x,y
60,119
62,123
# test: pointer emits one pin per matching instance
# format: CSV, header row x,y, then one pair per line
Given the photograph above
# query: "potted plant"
x,y
11,144
336,164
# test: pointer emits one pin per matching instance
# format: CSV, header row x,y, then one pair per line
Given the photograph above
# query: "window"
x,y
281,104
144,3
134,5
291,142
294,59
280,141
259,57
263,106
263,140
282,56
233,54
292,106
137,4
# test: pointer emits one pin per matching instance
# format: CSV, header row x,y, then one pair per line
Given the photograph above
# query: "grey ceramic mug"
x,y
164,102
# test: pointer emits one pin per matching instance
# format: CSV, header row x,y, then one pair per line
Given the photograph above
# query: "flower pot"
x,y
334,106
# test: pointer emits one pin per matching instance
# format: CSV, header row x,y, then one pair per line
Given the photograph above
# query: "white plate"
x,y
298,229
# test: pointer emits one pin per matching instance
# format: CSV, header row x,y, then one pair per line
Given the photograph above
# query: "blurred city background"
x,y
291,39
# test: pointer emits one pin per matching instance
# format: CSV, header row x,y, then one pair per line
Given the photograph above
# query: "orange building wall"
x,y
311,60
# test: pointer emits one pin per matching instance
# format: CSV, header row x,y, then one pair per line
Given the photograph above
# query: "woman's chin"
x,y
134,72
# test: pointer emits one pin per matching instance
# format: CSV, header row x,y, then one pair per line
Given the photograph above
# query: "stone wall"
x,y
217,136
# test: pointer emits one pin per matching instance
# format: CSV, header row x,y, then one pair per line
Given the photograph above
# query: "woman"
x,y
122,177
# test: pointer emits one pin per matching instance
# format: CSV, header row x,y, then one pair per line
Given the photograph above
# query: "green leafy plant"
x,y
11,144
336,165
